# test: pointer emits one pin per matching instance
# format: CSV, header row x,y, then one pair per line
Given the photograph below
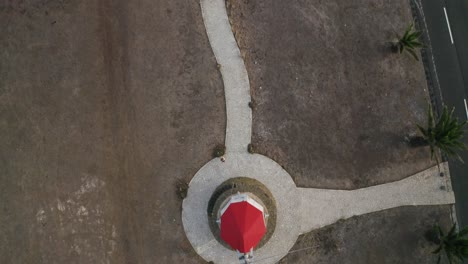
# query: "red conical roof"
x,y
243,225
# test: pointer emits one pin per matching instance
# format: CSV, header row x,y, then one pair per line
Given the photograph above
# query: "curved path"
x,y
235,78
299,210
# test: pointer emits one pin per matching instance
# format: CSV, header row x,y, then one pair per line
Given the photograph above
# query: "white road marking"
x,y
466,108
448,25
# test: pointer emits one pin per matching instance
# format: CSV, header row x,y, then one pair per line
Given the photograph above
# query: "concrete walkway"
x,y
210,176
424,188
299,210
235,78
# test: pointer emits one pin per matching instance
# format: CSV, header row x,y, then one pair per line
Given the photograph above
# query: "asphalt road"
x,y
449,41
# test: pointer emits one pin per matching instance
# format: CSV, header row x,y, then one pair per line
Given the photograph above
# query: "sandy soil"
x,y
104,105
333,104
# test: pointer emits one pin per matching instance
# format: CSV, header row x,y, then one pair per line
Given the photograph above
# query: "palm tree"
x,y
446,134
409,42
454,244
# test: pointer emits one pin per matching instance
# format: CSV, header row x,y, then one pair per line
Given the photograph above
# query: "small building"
x,y
242,223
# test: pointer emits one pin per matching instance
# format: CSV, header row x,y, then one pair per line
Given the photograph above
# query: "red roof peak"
x,y
242,223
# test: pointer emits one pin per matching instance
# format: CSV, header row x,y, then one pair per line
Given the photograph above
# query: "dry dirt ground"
x,y
104,105
332,103
395,236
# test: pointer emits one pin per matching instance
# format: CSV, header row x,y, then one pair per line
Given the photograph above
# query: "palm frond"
x,y
413,53
454,245
445,134
410,41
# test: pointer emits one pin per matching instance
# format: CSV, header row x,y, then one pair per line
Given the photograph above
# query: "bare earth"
x,y
104,105
333,104
391,236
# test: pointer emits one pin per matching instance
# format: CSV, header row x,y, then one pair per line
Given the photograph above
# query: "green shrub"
x,y
454,244
250,149
409,42
446,134
219,151
182,189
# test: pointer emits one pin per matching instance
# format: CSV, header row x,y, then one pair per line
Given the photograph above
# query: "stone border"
x,y
430,70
